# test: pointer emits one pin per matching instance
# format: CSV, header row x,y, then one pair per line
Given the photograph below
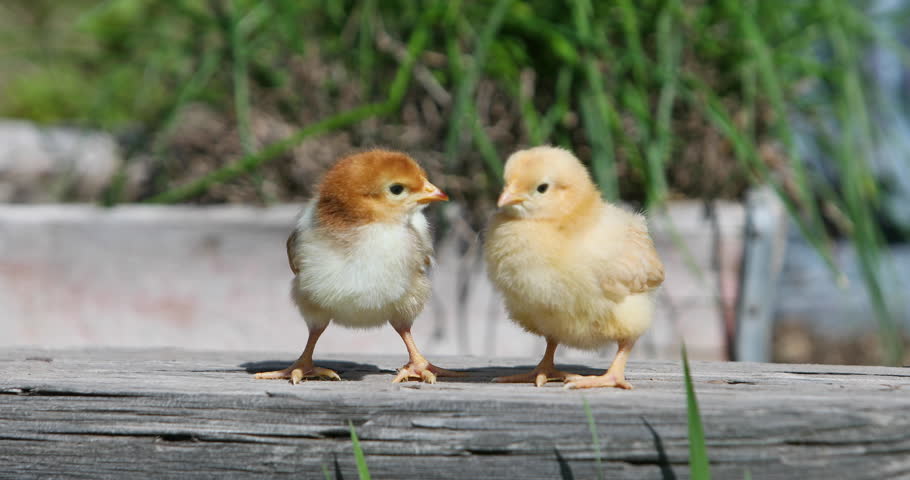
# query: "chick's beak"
x,y
509,197
431,193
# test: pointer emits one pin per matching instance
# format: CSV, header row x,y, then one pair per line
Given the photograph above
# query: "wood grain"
x,y
178,414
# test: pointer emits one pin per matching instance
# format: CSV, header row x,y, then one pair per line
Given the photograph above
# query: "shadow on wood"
x,y
354,371
663,461
347,370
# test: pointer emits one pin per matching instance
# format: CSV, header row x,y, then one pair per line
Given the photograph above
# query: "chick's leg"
x,y
543,373
418,367
615,375
303,367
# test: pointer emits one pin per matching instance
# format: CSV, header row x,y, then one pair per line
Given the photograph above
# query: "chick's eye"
x,y
543,187
396,188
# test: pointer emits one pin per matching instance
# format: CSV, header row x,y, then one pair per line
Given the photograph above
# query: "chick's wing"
x,y
635,266
292,252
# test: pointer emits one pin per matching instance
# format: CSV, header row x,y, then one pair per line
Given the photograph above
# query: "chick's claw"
x,y
598,381
406,373
316,372
539,376
426,373
296,375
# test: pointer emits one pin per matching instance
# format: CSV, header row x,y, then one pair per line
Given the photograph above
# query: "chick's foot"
x,y
539,376
544,372
423,372
303,367
296,373
596,381
418,367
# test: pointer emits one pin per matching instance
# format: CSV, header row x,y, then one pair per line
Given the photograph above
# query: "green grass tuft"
x,y
595,438
362,471
699,467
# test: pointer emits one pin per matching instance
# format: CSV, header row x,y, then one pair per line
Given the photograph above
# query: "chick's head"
x,y
545,183
374,186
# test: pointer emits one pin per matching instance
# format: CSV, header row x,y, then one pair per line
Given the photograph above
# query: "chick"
x,y
360,253
571,268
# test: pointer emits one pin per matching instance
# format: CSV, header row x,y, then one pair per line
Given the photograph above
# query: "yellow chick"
x,y
570,267
360,254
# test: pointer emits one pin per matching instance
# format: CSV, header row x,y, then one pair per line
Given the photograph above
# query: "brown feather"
x,y
351,193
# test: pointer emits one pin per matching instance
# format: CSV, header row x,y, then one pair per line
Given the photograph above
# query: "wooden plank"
x,y
179,414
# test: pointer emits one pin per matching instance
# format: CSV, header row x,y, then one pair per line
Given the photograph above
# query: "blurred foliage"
x,y
663,98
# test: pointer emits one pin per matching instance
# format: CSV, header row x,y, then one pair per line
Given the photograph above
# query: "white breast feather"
x,y
360,284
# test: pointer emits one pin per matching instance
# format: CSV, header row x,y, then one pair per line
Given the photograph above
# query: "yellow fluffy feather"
x,y
570,267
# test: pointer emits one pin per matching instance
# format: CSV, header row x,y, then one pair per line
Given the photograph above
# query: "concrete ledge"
x,y
217,278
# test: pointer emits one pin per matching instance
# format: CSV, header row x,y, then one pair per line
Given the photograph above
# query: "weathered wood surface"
x,y
178,414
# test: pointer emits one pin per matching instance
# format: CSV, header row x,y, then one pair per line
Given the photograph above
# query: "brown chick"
x,y
360,254
571,268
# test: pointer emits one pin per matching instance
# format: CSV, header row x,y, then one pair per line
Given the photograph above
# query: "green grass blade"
x,y
599,117
529,116
582,13
464,93
668,51
699,467
559,108
772,86
487,149
362,471
416,45
860,191
853,15
366,54
628,16
326,473
603,162
595,438
241,81
635,104
483,142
